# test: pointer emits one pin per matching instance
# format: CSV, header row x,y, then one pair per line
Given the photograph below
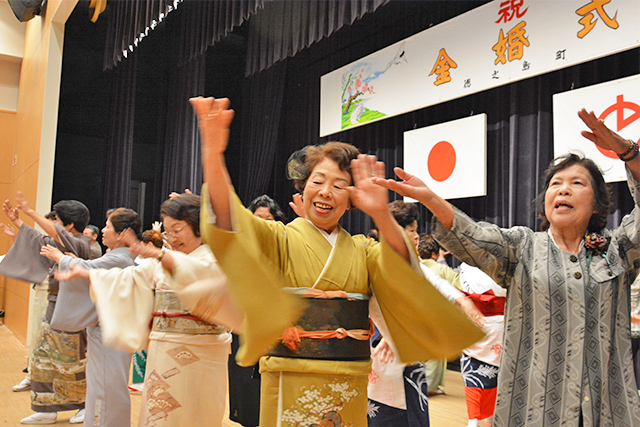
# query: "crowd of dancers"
x,y
333,329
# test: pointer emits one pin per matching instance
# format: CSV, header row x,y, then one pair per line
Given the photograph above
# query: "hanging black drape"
x,y
129,22
117,176
205,22
284,28
260,130
182,165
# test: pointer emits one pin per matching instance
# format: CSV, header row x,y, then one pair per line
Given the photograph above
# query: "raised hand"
x,y
11,212
214,118
51,252
75,272
8,230
365,194
298,206
174,194
157,226
601,135
409,186
23,205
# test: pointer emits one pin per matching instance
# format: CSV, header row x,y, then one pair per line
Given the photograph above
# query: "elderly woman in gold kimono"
x,y
317,374
566,359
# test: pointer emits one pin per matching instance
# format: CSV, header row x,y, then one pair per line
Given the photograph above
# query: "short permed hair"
x,y
72,212
404,213
265,201
154,237
340,152
123,218
184,207
602,195
428,246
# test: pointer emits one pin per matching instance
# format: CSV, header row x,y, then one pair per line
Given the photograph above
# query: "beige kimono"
x,y
182,352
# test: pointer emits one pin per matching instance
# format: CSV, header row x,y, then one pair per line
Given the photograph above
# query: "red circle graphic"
x,y
441,161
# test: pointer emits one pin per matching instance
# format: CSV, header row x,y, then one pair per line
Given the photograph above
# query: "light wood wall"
x,y
29,135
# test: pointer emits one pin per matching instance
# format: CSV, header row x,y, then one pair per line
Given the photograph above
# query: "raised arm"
x,y
372,199
12,213
214,119
607,139
411,186
47,225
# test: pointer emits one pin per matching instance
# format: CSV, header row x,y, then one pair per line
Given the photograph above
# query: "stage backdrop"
x,y
450,157
492,45
616,102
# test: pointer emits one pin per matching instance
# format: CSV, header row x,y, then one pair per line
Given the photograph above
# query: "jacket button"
x,y
573,258
578,275
610,274
586,398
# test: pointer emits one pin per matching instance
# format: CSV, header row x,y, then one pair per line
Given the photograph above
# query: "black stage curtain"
x,y
205,22
519,117
260,130
182,164
129,21
284,28
117,176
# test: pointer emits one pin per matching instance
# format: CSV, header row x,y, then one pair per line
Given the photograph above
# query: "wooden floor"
x,y
448,410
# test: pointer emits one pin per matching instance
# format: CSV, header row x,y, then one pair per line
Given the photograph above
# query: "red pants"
x,y
480,402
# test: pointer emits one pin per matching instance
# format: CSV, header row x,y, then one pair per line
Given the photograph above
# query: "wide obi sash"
x,y
488,302
169,315
335,326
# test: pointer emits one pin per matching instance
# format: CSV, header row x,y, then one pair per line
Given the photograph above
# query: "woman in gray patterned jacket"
x,y
566,359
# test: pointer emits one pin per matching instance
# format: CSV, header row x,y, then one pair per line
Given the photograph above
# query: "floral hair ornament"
x,y
598,245
296,167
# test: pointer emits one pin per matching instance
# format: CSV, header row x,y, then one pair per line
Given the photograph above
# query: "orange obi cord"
x,y
293,335
182,315
319,293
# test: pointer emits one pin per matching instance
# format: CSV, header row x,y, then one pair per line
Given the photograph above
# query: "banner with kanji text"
x,y
497,43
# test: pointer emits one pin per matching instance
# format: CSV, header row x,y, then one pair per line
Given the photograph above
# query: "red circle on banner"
x,y
441,161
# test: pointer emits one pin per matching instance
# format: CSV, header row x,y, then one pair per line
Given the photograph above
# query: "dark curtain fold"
x,y
182,165
129,22
117,176
260,130
284,28
204,23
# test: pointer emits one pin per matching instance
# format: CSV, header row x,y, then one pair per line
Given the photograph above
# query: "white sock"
x,y
473,423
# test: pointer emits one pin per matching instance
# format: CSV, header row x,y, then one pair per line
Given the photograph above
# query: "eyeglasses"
x,y
173,234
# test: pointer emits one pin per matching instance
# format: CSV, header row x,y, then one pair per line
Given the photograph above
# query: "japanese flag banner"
x,y
450,157
616,102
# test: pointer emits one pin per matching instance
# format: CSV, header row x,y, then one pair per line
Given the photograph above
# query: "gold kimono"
x,y
260,257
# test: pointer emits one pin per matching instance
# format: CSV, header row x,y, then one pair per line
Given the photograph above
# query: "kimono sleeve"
x,y
78,245
628,233
74,308
422,323
255,285
124,301
202,287
23,261
493,249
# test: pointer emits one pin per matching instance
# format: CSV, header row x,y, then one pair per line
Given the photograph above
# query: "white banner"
x,y
492,45
616,102
450,157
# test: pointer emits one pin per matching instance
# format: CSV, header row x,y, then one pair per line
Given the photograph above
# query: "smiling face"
x,y
325,196
569,200
180,235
